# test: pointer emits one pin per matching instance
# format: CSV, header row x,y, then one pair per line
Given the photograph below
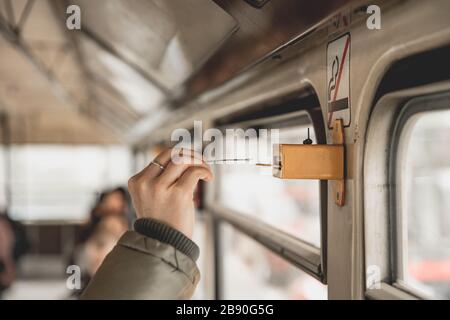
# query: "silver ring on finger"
x,y
159,165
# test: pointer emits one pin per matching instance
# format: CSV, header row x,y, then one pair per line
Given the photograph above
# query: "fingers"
x,y
164,159
175,170
182,156
152,171
189,179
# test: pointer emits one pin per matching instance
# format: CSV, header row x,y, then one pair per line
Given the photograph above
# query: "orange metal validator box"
x,y
314,161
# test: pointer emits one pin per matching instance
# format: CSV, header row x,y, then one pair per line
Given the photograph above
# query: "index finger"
x,y
174,171
151,171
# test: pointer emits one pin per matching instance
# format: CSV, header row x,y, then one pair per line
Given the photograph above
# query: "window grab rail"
x,y
300,253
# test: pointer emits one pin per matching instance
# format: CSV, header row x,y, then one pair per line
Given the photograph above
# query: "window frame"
x,y
300,253
381,215
404,124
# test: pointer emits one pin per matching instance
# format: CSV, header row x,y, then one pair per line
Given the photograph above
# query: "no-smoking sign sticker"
x,y
338,80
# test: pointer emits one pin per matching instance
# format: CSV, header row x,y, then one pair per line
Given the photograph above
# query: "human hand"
x,y
167,194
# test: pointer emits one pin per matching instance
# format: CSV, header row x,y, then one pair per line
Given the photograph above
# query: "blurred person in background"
x,y
102,241
106,224
13,245
90,254
110,203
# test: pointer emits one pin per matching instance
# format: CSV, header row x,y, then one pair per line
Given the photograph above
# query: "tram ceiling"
x,y
132,59
122,65
129,59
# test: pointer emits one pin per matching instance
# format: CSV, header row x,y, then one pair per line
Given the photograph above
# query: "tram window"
x,y
292,206
60,182
423,173
140,160
250,271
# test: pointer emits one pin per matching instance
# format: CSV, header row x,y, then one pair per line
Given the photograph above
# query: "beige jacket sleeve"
x,y
140,267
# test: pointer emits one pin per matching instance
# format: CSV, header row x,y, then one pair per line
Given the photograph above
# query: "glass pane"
x,y
290,205
250,271
425,203
60,182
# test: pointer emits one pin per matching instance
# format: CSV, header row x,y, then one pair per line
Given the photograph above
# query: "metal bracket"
x,y
338,186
